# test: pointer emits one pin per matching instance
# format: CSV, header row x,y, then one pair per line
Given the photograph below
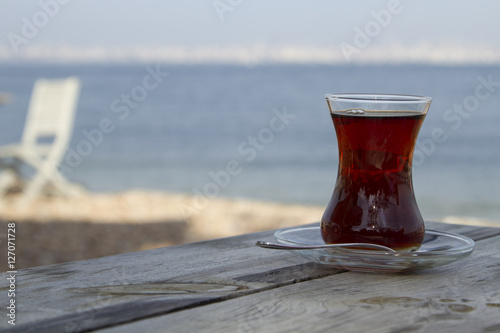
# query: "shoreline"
x,y
53,229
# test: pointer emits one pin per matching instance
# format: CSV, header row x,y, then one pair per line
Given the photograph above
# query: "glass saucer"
x,y
438,249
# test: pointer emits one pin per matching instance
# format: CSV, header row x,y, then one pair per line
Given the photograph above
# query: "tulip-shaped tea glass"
x,y
373,200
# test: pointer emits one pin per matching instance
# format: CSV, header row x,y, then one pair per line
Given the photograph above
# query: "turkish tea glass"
x,y
373,200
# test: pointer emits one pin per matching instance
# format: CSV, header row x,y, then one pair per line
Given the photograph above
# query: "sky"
x,y
251,31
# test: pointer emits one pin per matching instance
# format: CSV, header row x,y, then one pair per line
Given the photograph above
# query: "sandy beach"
x,y
53,229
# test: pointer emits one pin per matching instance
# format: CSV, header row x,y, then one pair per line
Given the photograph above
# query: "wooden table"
x,y
230,285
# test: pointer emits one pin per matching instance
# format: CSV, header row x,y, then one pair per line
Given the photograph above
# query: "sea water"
x,y
264,132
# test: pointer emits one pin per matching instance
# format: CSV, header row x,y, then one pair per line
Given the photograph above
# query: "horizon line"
x,y
424,54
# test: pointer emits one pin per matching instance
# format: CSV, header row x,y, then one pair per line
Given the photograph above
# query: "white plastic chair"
x,y
46,135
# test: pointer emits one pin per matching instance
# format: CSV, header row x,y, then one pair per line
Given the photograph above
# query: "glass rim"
x,y
377,98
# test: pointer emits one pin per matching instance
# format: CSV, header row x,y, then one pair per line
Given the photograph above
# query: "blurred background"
x,y
223,101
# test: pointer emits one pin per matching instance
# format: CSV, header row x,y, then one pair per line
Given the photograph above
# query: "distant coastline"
x,y
259,54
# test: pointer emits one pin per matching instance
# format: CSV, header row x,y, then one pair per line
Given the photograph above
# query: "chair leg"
x,y
43,178
64,187
32,189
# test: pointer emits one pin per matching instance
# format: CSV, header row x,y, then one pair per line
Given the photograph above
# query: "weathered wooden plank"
x,y
84,295
107,291
474,232
461,297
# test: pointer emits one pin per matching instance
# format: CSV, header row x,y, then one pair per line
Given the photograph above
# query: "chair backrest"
x,y
51,112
